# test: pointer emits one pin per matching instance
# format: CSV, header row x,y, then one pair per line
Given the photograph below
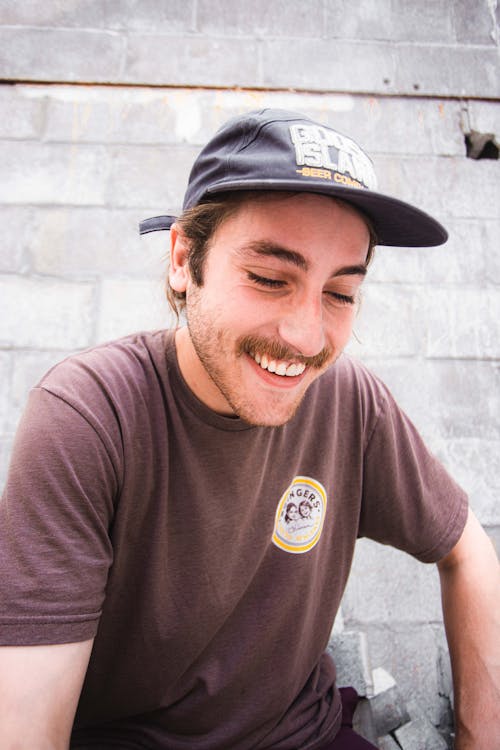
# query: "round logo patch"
x,y
300,516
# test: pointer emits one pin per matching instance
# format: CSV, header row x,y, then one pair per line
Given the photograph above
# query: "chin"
x,y
268,415
265,409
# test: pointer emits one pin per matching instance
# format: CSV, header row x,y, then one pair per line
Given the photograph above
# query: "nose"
x,y
302,327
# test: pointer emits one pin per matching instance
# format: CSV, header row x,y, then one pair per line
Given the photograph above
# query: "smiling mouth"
x,y
278,359
278,367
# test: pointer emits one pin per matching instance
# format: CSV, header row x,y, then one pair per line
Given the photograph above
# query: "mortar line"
x,y
249,89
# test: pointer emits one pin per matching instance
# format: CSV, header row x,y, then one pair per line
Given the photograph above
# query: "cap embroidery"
x,y
300,515
326,154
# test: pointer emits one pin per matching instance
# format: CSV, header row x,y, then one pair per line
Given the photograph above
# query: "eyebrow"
x,y
273,250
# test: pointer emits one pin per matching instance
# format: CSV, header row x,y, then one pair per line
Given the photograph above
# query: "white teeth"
x,y
279,368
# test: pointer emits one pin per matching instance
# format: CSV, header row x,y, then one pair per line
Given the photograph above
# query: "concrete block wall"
x,y
103,108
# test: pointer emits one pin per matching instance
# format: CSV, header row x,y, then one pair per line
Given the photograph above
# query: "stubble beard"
x,y
214,348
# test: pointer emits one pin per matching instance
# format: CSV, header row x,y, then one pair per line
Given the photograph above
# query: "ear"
x,y
178,274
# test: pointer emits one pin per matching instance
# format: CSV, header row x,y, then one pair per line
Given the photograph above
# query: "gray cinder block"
x,y
388,707
350,653
22,116
45,314
467,70
387,743
420,734
192,60
49,173
277,19
39,54
318,64
468,317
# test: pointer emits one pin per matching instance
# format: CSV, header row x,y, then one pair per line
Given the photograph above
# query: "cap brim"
x,y
395,222
156,224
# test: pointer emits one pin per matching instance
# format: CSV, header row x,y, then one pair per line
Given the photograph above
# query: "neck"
x,y
196,377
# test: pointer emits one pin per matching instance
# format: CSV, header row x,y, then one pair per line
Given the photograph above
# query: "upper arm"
x,y
473,550
39,691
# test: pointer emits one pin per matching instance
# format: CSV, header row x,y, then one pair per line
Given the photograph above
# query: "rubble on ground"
x,y
382,716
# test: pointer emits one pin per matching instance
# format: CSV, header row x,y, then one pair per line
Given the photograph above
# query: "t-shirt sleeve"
x,y
55,515
409,499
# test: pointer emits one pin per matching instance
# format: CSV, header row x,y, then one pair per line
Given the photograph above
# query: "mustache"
x,y
277,350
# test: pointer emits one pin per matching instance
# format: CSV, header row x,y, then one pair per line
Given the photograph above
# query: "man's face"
x,y
277,304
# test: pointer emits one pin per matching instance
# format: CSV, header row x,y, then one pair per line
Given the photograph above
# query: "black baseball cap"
x,y
274,149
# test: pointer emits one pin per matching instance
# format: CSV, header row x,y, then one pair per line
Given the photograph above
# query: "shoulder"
x,y
116,368
116,387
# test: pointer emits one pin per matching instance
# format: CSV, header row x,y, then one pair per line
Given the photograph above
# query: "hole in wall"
x,y
481,145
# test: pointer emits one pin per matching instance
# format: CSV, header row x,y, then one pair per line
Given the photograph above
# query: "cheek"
x,y
247,306
348,322
340,326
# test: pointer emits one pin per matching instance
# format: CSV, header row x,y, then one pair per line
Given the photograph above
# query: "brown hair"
x,y
200,223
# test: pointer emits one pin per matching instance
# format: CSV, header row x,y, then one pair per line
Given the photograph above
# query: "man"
x,y
145,547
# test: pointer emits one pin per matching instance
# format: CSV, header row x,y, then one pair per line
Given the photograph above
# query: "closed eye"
x,y
263,281
344,299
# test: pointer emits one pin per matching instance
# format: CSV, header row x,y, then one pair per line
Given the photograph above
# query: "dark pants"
x,y
347,739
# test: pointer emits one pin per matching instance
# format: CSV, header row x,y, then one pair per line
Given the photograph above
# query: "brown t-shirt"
x,y
207,557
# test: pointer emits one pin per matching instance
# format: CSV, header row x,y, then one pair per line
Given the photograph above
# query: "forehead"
x,y
317,226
